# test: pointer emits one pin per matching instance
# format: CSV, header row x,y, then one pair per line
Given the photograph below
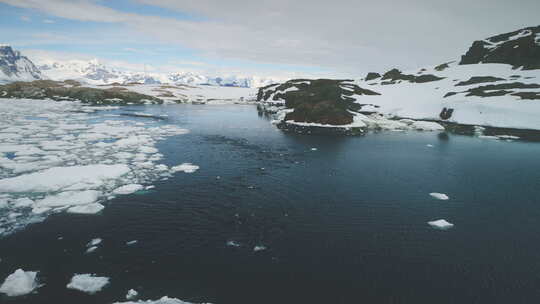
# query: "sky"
x,y
278,39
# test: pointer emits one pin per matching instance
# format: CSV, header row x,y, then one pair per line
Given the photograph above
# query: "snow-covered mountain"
x,y
96,73
15,67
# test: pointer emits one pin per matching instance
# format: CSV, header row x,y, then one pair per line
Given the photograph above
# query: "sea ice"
x,y
88,283
19,283
132,242
259,248
131,294
87,209
163,300
128,189
185,167
439,196
441,224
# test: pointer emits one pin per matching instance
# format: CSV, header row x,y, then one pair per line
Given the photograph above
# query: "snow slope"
x,y
426,100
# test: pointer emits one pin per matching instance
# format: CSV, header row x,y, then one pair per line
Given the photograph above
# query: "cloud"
x,y
346,36
26,18
48,21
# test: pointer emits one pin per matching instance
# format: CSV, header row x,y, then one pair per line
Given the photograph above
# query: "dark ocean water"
x,y
346,223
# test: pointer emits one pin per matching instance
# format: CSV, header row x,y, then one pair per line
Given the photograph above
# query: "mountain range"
x,y
15,67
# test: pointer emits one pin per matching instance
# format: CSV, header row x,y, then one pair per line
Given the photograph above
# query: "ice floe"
x,y
131,294
88,283
163,300
128,189
19,283
68,157
441,224
259,248
130,243
185,167
439,196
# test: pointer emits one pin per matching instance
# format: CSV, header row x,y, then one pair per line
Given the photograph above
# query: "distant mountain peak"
x,y
15,67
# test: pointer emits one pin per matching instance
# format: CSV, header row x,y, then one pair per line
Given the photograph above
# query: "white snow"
x,y
441,224
88,283
185,167
19,283
439,196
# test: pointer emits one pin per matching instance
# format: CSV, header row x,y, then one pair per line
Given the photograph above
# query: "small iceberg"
x,y
259,248
19,283
185,167
233,244
441,224
439,196
88,283
131,294
130,243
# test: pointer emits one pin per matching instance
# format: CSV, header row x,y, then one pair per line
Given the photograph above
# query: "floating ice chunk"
x,y
185,167
259,248
507,137
148,150
56,178
427,126
131,294
439,196
87,209
87,283
233,244
313,149
128,189
91,249
19,283
163,300
70,198
94,242
40,210
132,242
23,202
441,224
429,145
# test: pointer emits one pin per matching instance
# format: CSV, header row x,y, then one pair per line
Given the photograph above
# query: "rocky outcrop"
x,y
71,90
519,48
322,101
395,75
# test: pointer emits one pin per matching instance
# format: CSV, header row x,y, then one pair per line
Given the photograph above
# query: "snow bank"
x,y
19,283
88,283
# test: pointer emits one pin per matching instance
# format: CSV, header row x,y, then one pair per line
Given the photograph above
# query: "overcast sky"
x,y
279,38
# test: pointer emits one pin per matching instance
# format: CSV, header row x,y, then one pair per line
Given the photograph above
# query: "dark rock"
x,y
520,48
394,75
372,75
446,113
479,79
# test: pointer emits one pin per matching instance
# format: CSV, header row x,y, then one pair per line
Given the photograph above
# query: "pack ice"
x,y
65,156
